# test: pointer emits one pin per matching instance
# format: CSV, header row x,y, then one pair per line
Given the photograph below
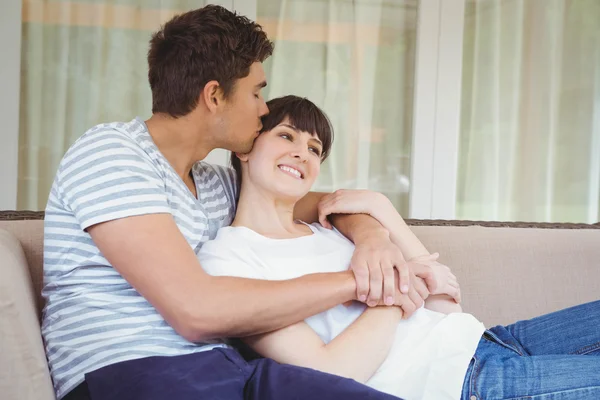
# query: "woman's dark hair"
x,y
194,48
302,114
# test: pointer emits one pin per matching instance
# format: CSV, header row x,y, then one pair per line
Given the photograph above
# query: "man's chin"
x,y
247,148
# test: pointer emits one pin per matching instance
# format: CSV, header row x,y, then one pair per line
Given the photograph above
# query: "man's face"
x,y
245,107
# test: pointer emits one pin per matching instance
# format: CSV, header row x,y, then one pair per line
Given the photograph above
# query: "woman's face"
x,y
284,161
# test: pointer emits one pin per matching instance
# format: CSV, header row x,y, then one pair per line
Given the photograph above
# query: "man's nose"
x,y
264,109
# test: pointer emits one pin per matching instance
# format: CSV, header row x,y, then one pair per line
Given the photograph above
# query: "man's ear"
x,y
212,96
242,156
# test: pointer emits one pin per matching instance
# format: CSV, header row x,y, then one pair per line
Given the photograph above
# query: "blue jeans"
x,y
546,358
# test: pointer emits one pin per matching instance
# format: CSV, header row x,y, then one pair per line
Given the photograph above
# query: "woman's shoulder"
x,y
228,238
229,255
332,234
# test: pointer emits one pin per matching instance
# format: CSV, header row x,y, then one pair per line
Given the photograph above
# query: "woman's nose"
x,y
300,155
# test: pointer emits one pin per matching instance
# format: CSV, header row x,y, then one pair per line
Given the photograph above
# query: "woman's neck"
x,y
270,217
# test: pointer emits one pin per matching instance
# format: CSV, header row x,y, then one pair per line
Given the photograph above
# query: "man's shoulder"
x,y
124,133
118,139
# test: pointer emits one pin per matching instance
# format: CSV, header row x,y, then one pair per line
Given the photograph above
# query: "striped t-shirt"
x,y
93,317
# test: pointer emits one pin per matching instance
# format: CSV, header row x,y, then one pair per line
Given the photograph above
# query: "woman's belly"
x,y
430,356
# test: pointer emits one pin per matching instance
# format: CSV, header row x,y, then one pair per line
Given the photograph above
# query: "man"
x,y
130,313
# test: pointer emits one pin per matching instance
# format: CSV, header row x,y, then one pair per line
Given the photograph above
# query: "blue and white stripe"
x,y
93,317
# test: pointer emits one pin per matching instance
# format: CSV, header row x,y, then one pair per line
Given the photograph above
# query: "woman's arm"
x,y
412,248
355,353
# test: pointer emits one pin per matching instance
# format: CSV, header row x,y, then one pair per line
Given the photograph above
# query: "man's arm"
x,y
375,256
150,252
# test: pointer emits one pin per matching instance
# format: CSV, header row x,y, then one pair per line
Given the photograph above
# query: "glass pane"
x,y
356,61
82,63
530,135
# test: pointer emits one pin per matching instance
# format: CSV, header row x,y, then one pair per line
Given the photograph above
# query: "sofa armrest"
x,y
23,368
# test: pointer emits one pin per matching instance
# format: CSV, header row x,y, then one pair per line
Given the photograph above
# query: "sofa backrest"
x,y
507,271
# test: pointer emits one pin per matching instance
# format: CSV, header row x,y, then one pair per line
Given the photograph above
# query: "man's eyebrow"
x,y
261,85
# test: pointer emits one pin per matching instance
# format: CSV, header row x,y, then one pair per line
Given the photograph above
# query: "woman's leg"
x,y
574,330
500,373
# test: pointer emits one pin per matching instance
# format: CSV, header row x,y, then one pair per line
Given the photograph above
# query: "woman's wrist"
x,y
348,285
382,209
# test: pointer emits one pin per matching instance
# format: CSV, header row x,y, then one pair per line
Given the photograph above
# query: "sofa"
x,y
507,271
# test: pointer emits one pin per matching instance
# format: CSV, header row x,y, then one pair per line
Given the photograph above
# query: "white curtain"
x,y
355,59
530,136
83,63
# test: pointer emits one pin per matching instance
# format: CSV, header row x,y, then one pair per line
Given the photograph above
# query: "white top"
x,y
432,351
93,317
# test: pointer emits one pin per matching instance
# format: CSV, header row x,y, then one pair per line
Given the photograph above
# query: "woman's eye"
x,y
286,136
315,150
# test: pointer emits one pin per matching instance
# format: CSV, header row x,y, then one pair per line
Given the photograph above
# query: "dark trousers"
x,y
219,374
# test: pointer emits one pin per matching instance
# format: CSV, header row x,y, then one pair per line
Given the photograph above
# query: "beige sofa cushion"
x,y
509,274
30,234
25,372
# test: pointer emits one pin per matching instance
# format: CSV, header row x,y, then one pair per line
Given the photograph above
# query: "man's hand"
x,y
373,263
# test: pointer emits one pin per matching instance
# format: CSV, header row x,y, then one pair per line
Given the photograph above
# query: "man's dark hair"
x,y
303,114
192,49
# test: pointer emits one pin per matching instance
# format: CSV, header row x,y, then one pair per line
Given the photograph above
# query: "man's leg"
x,y
270,380
570,331
208,375
499,373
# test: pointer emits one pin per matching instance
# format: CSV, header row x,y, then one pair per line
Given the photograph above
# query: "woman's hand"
x,y
345,201
438,277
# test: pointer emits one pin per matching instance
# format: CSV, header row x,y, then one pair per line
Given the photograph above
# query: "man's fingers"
x,y
375,283
361,275
403,278
389,284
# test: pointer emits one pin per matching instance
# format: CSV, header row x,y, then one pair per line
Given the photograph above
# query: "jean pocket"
x,y
492,337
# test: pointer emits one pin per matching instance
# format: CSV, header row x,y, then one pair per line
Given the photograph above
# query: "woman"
x,y
432,355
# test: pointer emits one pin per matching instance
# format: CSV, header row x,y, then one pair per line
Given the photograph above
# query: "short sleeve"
x,y
108,176
229,178
216,259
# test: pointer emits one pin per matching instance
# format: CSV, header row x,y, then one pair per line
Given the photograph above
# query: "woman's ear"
x,y
242,156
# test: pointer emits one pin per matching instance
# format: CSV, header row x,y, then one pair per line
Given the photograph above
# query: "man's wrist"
x,y
374,232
